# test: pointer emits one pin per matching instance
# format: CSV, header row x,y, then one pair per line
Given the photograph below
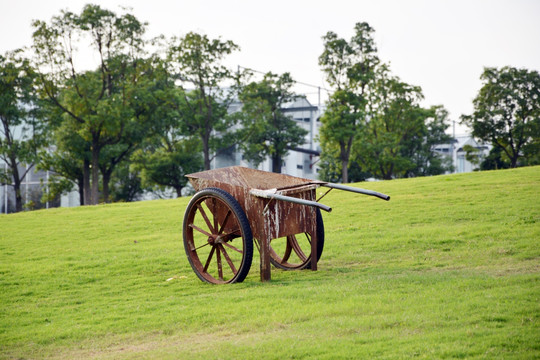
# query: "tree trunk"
x,y
86,183
94,194
513,161
81,191
344,154
16,183
387,175
344,171
276,164
18,195
206,152
178,191
106,180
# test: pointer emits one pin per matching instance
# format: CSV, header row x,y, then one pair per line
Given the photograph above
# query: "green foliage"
x,y
398,138
495,160
66,161
396,119
22,133
507,113
106,107
331,170
373,123
172,150
349,65
426,160
472,154
56,186
446,269
127,184
268,131
197,60
350,69
168,164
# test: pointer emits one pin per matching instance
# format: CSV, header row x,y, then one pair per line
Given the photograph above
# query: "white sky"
x,y
441,46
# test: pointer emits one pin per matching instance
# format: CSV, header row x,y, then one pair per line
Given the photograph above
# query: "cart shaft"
x,y
357,190
271,195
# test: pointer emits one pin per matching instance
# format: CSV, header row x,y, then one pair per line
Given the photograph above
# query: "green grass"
x,y
449,268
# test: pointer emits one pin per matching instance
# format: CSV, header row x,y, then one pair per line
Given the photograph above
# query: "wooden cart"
x,y
235,205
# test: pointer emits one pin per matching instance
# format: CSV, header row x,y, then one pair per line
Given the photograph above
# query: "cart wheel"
x,y
217,237
294,252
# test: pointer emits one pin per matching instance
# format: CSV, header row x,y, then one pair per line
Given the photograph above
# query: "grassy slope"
x,y
449,268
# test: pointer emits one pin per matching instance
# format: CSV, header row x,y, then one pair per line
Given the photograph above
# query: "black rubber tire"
x,y
229,202
275,259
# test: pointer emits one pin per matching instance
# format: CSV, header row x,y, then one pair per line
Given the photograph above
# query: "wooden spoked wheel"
x,y
294,252
217,237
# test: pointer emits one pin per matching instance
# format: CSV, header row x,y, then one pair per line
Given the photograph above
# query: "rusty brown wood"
x,y
314,240
268,218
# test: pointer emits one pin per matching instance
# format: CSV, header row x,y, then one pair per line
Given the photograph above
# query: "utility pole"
x,y
454,154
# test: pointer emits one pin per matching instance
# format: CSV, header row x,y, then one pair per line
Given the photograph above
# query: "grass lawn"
x,y
449,268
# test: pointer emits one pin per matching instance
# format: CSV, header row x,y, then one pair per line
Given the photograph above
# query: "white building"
x,y
32,187
457,152
302,161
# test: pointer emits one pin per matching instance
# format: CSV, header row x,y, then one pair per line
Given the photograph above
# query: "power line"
x,y
298,82
318,87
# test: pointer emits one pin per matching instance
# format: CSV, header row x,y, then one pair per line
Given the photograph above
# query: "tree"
x,y
22,132
196,60
395,119
350,69
267,129
473,155
127,184
398,138
420,147
330,170
507,112
99,103
67,160
172,149
494,160
168,165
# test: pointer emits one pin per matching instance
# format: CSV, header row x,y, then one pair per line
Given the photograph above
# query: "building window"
x,y
300,167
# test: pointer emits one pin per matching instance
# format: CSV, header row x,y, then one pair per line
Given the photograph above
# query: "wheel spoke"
x,y
200,230
214,212
225,222
287,253
296,252
229,261
208,223
200,247
232,247
217,237
231,236
297,249
220,267
209,259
